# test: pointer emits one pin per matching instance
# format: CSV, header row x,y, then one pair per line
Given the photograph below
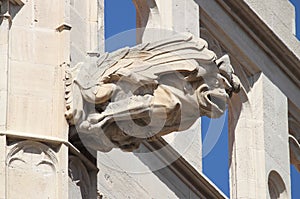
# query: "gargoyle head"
x,y
216,88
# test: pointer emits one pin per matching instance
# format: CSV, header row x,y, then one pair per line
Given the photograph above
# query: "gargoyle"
x,y
147,91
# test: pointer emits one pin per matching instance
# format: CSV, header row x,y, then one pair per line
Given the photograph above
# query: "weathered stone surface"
x,y
280,17
4,48
27,164
147,91
122,171
2,166
256,133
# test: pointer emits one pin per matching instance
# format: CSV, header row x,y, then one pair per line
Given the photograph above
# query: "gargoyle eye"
x,y
219,64
217,83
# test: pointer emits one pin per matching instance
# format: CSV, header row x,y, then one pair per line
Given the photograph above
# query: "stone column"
x,y
258,140
33,130
5,22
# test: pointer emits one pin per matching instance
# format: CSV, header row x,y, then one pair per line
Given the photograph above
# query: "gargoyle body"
x,y
144,92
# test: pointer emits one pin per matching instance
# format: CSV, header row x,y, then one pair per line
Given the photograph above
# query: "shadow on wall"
x,y
165,175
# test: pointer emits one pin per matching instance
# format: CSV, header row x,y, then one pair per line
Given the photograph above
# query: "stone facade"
x,y
41,157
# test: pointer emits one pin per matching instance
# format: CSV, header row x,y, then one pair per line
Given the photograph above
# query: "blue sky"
x,y
296,3
119,17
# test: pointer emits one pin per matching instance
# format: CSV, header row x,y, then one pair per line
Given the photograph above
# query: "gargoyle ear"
x,y
224,64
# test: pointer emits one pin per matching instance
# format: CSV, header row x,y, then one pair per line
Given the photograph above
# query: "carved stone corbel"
x,y
147,91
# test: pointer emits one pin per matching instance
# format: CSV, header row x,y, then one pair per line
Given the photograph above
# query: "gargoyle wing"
x,y
144,63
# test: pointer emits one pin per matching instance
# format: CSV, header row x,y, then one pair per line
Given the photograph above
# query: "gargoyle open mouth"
x,y
217,103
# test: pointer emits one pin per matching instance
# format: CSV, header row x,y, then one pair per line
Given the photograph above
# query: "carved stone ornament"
x,y
147,91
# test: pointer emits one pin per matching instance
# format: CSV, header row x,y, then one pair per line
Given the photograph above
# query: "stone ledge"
x,y
268,39
196,181
64,26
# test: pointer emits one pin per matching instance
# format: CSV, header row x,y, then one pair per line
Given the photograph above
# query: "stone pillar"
x,y
258,140
5,20
156,17
33,130
159,19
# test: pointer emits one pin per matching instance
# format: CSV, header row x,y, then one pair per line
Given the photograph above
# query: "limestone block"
x,y
79,30
93,11
34,93
2,166
32,79
44,16
23,39
100,30
35,46
4,37
45,47
77,55
122,171
165,14
275,11
162,18
25,115
261,135
279,15
81,8
192,12
185,14
285,12
23,16
276,133
4,48
60,129
188,144
3,108
114,184
283,33
93,36
63,172
74,190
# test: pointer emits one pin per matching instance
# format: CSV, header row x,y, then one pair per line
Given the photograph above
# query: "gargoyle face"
x,y
216,89
212,97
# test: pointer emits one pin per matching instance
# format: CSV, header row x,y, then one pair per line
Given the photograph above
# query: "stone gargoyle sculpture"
x,y
147,91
